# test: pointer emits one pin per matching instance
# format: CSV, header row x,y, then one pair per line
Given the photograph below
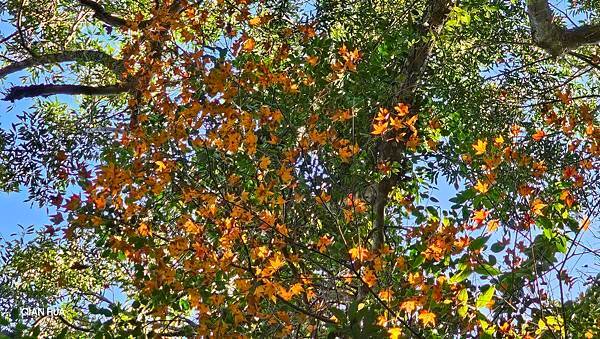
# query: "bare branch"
x,y
20,92
101,14
555,39
81,55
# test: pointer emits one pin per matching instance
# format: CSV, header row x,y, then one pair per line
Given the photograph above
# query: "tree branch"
x,y
20,92
555,39
412,72
101,14
81,55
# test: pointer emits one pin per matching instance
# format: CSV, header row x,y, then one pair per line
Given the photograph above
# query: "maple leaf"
x,y
569,172
385,295
427,317
312,60
537,206
538,135
493,225
480,215
498,141
395,332
255,21
379,128
413,142
323,243
359,253
482,187
565,97
480,147
525,190
410,123
248,45
264,163
408,306
402,109
370,278
276,263
382,115
285,174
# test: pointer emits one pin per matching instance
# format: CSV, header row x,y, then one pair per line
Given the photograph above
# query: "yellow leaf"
x,y
359,253
255,21
427,318
395,333
480,215
493,225
498,141
482,187
480,147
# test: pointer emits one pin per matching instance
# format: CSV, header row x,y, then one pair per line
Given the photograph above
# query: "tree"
x,y
269,168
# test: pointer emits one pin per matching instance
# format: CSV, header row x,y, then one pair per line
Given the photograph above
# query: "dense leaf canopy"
x,y
290,168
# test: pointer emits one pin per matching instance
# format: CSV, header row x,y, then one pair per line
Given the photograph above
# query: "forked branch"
x,y
551,36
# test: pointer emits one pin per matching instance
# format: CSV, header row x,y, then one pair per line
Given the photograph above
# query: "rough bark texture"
x,y
552,37
412,72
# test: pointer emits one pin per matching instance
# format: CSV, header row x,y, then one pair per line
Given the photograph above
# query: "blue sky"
x,y
13,208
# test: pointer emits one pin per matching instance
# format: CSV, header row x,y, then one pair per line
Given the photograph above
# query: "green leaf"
x,y
478,243
460,276
498,247
487,269
485,297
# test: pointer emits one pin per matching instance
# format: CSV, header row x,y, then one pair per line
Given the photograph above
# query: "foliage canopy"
x,y
304,168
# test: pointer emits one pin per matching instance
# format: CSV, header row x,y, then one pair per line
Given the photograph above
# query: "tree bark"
x,y
555,39
412,72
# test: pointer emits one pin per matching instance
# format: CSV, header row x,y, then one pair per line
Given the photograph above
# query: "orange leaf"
x,y
255,21
312,60
539,135
379,128
402,109
585,224
537,206
248,45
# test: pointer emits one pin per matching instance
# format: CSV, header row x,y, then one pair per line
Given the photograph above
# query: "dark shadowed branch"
x,y
20,92
101,14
